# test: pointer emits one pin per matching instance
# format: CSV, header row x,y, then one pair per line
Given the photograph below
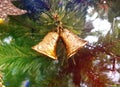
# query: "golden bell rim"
x,y
40,51
75,50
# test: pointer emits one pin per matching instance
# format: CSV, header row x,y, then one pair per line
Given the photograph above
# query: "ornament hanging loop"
x,y
59,28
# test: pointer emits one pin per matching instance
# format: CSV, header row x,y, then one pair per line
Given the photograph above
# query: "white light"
x,y
93,17
101,25
118,25
90,9
114,75
117,18
91,39
104,2
8,39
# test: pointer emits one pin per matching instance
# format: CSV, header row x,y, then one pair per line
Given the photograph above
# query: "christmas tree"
x,y
45,44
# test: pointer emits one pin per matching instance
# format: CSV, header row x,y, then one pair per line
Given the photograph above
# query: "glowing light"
x,y
1,21
114,75
91,39
104,2
90,9
118,25
8,39
101,25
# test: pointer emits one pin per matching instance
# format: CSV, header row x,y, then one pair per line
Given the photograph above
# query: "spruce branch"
x,y
19,61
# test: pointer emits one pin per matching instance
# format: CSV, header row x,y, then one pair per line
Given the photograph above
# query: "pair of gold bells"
x,y
48,45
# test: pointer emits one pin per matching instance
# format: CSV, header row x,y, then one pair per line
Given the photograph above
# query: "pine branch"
x,y
16,60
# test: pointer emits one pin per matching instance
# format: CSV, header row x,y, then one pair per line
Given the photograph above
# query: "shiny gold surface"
x,y
48,45
72,41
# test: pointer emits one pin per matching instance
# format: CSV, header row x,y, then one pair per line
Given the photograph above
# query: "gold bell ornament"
x,y
48,45
72,41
